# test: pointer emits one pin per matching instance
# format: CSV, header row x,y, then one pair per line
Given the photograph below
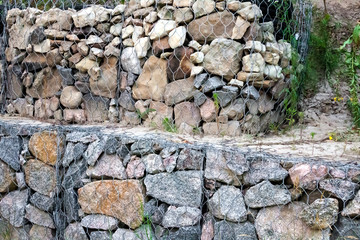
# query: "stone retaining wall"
x,y
94,183
213,67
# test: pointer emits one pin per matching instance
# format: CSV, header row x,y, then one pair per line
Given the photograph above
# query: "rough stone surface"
x,y
74,174
178,91
190,159
40,177
307,176
105,84
107,166
130,61
153,163
75,231
321,214
70,97
179,64
179,188
120,199
10,150
266,194
46,146
94,150
7,178
228,203
41,218
99,222
188,113
343,189
181,217
346,227
283,222
235,231
264,170
353,208
40,232
12,207
42,202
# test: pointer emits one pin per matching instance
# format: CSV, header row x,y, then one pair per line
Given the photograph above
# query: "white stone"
x,y
197,57
146,3
183,3
237,83
43,47
138,32
195,45
127,31
273,72
119,9
151,18
91,16
142,45
203,7
92,39
116,29
162,28
128,42
177,37
251,13
196,70
253,63
255,46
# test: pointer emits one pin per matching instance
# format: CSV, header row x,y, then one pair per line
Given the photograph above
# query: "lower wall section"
x,y
68,182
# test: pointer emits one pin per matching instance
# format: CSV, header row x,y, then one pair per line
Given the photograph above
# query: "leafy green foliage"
x,y
352,63
142,115
169,126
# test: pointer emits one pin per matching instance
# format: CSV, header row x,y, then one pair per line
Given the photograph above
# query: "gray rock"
x,y
181,217
266,103
94,150
158,215
75,231
212,84
190,159
130,61
126,101
180,188
42,202
40,177
122,152
168,151
235,111
142,147
199,99
236,162
153,163
346,228
107,166
66,75
225,97
143,232
216,168
100,235
353,208
74,174
264,170
250,92
234,231
321,214
179,91
73,152
10,148
265,194
228,203
37,36
12,207
41,218
83,137
40,232
345,190
111,145
185,233
100,222
200,80
228,53
253,106
71,205
96,108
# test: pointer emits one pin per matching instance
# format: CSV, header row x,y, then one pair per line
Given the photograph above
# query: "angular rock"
x,y
41,218
107,166
208,111
135,169
240,28
86,64
251,13
225,97
250,92
199,99
129,61
226,51
235,111
253,63
179,65
142,45
178,91
120,199
46,84
188,113
40,177
160,46
73,152
321,214
184,233
283,222
99,222
7,178
105,84
91,16
346,228
82,137
10,150
212,26
152,81
353,207
181,217
74,174
74,115
179,188
266,104
96,108
307,176
153,163
126,101
217,167
75,231
190,159
212,84
12,207
228,203
71,205
266,194
183,15
343,189
42,202
235,231
161,29
46,146
264,170
40,232
177,37
100,235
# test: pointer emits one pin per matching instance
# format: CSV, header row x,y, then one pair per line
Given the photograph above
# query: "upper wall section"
x,y
179,65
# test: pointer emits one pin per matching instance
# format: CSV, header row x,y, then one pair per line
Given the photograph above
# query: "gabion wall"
x,y
77,183
183,65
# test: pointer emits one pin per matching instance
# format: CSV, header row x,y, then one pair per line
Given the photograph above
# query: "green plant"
x,y
169,126
142,115
217,108
147,223
352,62
312,135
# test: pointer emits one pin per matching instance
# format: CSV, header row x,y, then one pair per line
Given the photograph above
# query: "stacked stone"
x,y
175,56
112,186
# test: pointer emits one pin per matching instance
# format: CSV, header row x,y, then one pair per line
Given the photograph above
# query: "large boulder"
x,y
152,81
120,199
91,16
46,84
228,53
12,207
